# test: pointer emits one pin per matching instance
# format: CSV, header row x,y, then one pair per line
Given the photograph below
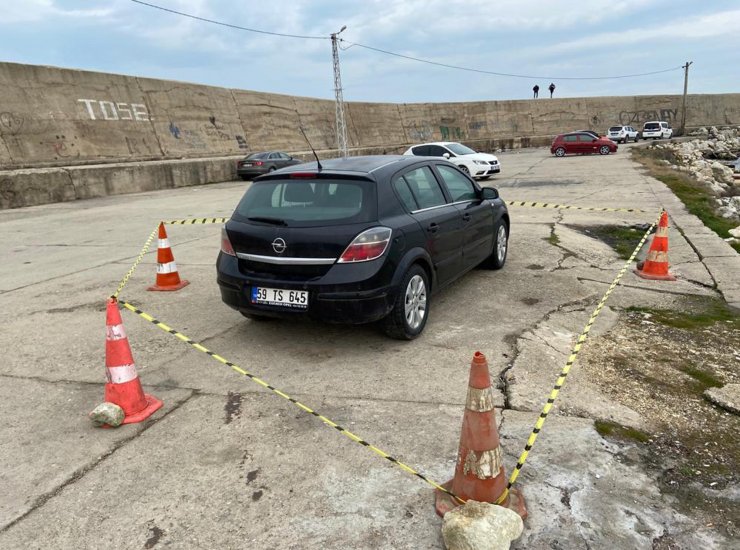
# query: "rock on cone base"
x,y
515,502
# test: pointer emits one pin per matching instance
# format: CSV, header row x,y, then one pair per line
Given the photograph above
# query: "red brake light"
x,y
368,245
306,175
258,163
226,247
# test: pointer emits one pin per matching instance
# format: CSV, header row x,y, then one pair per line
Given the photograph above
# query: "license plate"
x,y
247,164
295,299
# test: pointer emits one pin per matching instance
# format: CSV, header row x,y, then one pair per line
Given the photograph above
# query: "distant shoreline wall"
x,y
52,118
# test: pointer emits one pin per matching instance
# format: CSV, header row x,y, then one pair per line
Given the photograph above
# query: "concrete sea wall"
x,y
68,134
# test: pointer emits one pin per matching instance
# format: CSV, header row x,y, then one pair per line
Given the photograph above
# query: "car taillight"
x,y
368,245
226,247
259,163
303,175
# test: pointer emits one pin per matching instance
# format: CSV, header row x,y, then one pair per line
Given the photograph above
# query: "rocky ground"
x,y
713,160
659,363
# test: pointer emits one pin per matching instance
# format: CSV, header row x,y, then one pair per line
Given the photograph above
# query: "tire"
x,y
272,169
244,178
497,259
410,312
604,150
559,152
464,169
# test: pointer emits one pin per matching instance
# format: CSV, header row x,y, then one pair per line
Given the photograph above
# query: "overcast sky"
x,y
553,39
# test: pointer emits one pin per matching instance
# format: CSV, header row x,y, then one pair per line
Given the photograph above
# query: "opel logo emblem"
x,y
279,246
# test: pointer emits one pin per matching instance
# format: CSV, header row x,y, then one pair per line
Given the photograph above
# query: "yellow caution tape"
x,y
130,272
196,221
569,363
304,408
573,207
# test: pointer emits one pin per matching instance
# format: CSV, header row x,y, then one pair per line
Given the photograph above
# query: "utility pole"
x,y
683,102
341,124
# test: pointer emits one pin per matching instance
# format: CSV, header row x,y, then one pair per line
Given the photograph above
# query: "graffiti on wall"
x,y
11,123
638,117
62,147
420,132
109,110
451,133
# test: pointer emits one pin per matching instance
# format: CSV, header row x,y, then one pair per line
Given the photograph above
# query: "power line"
x,y
494,73
403,56
229,24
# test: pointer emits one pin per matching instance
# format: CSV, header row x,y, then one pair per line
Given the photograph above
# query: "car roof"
x,y
437,143
354,165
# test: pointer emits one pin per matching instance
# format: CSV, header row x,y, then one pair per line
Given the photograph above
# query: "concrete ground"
x,y
226,464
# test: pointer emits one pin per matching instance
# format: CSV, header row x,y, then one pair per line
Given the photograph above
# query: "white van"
x,y
657,129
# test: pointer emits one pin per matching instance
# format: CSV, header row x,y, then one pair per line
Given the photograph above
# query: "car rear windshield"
x,y
652,126
254,156
308,202
615,129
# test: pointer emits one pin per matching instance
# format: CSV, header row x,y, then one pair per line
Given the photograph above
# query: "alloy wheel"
x,y
415,301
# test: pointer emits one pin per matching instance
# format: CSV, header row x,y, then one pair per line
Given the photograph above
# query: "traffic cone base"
x,y
152,405
177,286
443,502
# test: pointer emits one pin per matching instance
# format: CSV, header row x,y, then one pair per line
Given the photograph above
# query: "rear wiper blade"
x,y
274,221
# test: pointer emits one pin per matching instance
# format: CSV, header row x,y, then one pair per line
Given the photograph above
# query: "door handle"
x,y
433,227
466,217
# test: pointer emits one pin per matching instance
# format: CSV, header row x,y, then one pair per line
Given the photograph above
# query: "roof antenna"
x,y
318,162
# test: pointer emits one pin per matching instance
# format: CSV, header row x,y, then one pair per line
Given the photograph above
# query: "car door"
x,y
438,218
476,215
586,143
570,143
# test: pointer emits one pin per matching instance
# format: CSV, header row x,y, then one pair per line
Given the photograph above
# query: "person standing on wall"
x,y
536,90
551,88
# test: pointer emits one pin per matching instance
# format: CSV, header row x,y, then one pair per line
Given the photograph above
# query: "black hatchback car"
x,y
358,240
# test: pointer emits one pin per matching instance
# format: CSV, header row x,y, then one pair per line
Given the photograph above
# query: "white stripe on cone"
x,y
115,332
163,243
169,267
122,374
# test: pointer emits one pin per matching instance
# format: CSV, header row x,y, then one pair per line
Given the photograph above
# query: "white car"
x,y
476,165
657,129
622,134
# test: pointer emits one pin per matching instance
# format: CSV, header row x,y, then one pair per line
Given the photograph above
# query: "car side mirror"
x,y
489,193
446,155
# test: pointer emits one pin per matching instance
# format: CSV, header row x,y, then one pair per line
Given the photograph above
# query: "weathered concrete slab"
x,y
35,461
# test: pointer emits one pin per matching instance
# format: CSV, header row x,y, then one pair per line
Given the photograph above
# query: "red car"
x,y
581,143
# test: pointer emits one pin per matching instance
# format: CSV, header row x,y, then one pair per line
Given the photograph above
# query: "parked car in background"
x,y
256,164
477,165
623,134
581,143
657,129
358,239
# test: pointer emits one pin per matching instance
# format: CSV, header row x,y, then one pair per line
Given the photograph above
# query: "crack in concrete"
x,y
81,472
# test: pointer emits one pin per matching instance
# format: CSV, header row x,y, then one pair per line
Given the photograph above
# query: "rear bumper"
x,y
351,303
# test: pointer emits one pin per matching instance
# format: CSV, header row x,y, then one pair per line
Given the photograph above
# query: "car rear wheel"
x,y
604,150
245,178
559,152
464,169
409,315
497,259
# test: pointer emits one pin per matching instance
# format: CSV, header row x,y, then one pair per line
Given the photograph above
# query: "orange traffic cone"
x,y
167,276
123,387
479,473
655,265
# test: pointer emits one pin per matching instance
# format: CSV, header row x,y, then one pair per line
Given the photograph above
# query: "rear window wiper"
x,y
273,221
